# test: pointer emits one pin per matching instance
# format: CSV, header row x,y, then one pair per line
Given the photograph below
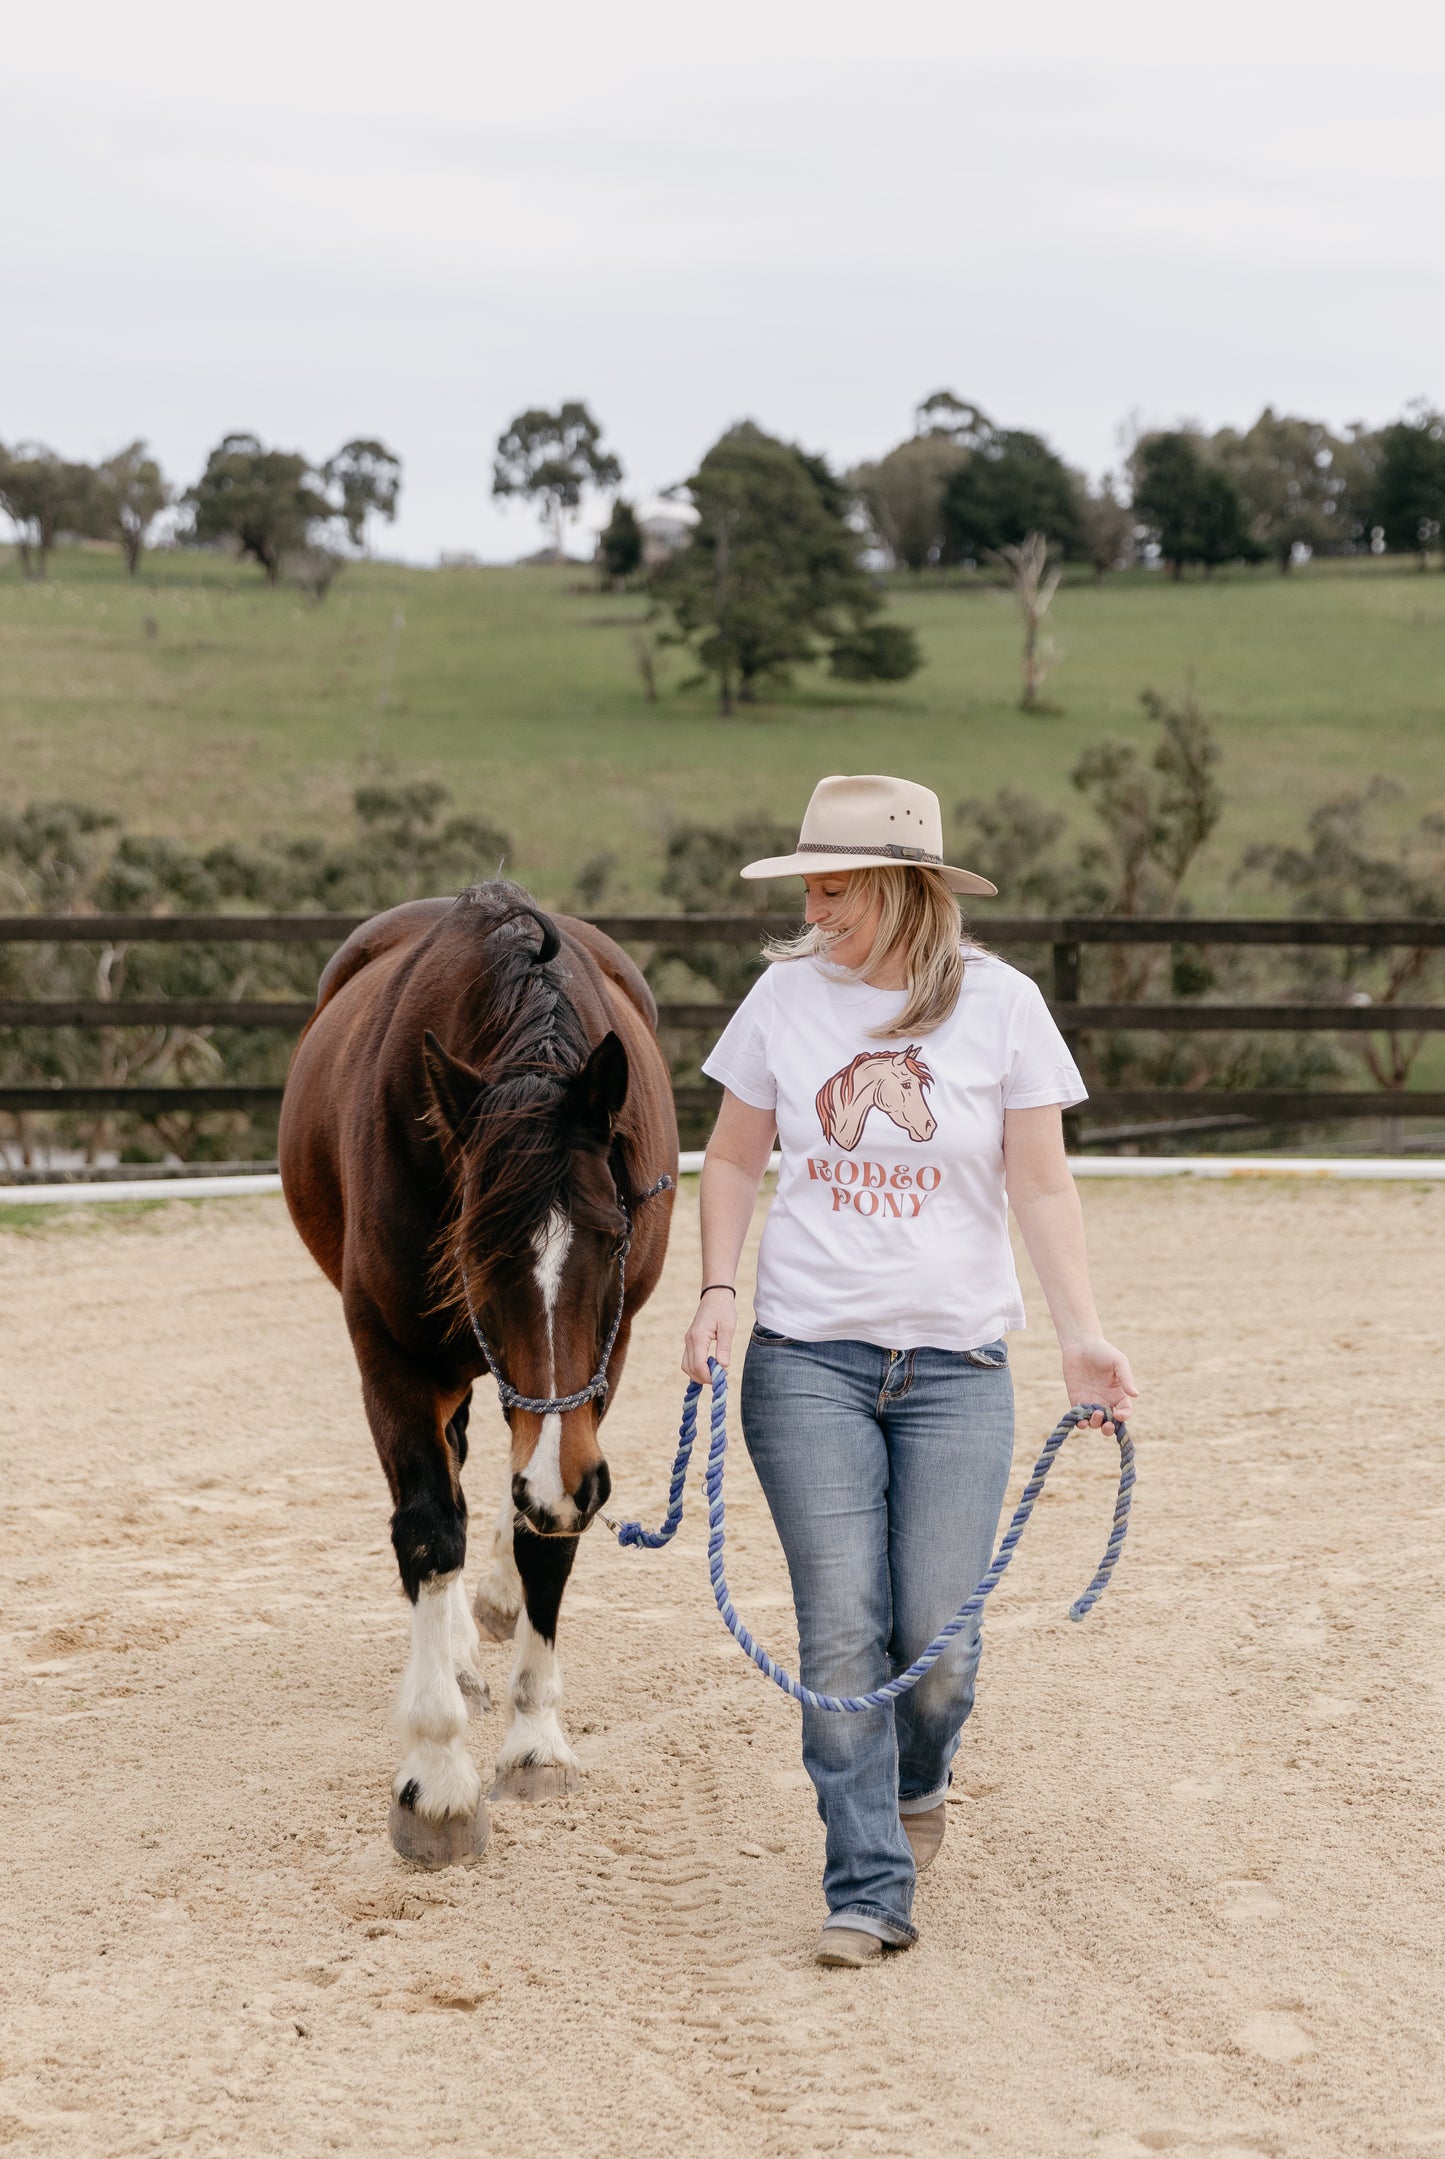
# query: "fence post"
x,y
1066,992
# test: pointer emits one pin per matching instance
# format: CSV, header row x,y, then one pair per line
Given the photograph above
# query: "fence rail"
x,y
1067,935
699,1018
743,928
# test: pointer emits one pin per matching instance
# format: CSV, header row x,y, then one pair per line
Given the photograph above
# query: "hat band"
x,y
861,847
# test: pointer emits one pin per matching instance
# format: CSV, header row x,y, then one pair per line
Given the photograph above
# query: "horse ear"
x,y
454,1086
600,1088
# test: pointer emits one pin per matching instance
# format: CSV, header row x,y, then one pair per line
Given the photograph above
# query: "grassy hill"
x,y
198,702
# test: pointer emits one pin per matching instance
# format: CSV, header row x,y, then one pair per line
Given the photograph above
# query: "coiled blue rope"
x,y
633,1533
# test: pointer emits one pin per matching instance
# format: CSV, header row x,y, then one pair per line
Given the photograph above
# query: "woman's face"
x,y
828,908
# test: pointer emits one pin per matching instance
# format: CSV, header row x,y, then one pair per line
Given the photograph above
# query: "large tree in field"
x,y
1409,492
130,493
551,458
771,575
1192,508
1290,482
1011,484
264,501
366,479
902,497
43,495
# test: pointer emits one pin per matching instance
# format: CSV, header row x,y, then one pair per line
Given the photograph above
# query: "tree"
x,y
264,501
1409,501
43,496
1350,867
130,493
367,479
550,458
1010,485
1191,507
772,573
620,545
953,418
1290,484
1106,526
1034,586
902,497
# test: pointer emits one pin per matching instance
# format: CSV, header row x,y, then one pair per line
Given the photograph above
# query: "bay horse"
x,y
473,1117
891,1080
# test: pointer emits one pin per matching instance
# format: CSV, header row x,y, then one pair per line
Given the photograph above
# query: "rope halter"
x,y
596,1387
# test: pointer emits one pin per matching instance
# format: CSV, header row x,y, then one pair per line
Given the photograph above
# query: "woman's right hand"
x,y
711,1333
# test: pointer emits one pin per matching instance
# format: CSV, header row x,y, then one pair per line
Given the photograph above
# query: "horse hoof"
x,y
456,1842
536,1780
477,1693
493,1624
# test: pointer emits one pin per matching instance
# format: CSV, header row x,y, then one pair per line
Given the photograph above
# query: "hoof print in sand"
x,y
452,1843
535,1780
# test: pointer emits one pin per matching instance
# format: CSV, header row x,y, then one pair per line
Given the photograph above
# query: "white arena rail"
x,y
1393,1169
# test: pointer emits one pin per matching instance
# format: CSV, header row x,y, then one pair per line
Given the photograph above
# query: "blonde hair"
x,y
919,923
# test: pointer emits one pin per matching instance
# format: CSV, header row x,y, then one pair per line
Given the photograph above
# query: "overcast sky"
x,y
413,220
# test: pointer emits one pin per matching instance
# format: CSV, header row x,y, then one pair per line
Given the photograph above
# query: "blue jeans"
x,y
885,1471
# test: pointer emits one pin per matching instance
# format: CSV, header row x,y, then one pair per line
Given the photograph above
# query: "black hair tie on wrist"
x,y
717,1285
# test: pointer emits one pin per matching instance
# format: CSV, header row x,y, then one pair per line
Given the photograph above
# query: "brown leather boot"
x,y
847,1945
925,1833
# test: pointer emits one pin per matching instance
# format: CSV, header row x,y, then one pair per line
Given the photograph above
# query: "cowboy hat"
x,y
862,820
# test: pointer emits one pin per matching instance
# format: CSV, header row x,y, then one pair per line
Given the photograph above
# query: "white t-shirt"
x,y
890,1222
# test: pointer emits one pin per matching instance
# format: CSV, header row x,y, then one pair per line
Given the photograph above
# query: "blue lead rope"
x,y
633,1533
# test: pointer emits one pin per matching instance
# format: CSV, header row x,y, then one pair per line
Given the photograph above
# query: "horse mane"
x,y
835,1094
511,1163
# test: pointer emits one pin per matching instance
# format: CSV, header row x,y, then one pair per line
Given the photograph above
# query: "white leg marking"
x,y
466,1647
535,1734
431,1711
499,1590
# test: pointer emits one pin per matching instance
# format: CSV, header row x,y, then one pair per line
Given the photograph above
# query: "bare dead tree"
x,y
1033,585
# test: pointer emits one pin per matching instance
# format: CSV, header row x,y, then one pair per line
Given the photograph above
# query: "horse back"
x,y
383,933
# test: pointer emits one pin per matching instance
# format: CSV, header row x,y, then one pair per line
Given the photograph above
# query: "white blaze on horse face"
x,y
431,1712
544,1471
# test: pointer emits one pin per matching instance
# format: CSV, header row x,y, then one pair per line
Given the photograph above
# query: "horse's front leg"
x,y
536,1761
437,1815
499,1586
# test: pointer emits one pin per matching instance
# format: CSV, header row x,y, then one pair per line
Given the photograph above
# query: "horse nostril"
x,y
594,1491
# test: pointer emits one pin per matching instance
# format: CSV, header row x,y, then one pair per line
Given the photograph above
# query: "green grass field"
x,y
197,702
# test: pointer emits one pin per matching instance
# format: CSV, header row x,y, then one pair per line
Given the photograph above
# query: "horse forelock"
x,y
513,1167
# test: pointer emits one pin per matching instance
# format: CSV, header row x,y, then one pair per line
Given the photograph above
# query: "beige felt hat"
x,y
860,820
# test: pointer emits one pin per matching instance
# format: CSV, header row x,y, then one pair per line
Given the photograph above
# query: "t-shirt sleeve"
x,y
739,1059
1040,1069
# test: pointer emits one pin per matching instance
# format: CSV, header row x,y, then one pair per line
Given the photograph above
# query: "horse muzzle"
x,y
567,1516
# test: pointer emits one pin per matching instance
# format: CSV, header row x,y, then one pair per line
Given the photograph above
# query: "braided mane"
x,y
513,1158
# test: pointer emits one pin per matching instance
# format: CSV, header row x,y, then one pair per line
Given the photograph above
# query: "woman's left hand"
x,y
1094,1371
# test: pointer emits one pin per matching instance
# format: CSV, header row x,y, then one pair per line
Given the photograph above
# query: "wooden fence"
x,y
1188,1109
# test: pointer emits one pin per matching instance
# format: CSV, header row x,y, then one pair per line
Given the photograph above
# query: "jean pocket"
x,y
989,1354
766,1337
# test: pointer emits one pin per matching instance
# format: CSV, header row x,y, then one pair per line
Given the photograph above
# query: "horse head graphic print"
x,y
894,1081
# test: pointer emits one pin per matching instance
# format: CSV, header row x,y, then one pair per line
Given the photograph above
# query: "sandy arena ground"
x,y
1191,1898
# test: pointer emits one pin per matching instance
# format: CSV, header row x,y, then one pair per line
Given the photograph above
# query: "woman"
x,y
915,1085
